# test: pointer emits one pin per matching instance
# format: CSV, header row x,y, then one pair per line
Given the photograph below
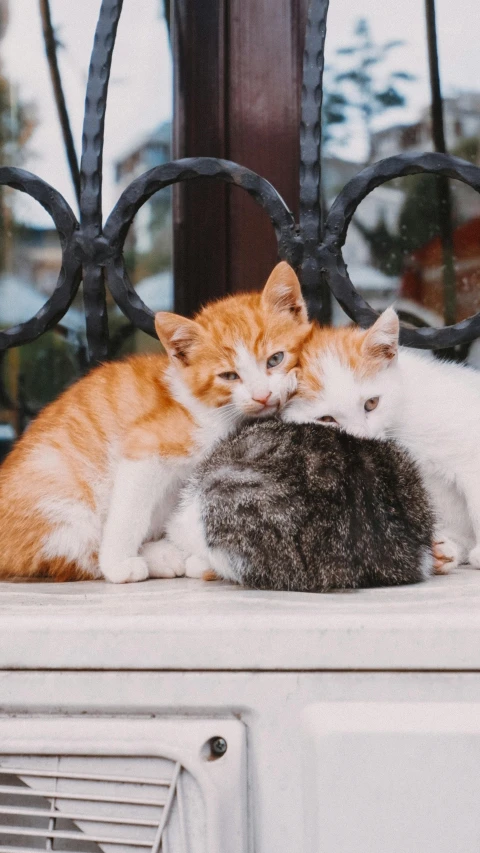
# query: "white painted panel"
x,y
107,776
271,707
395,777
184,624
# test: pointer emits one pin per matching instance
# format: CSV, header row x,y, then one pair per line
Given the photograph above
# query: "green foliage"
x,y
386,248
418,224
469,149
419,217
47,366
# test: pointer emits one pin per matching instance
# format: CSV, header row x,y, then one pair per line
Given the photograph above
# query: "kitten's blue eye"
x,y
275,359
371,404
229,376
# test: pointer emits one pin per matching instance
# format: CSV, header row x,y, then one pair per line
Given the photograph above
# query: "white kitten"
x,y
364,383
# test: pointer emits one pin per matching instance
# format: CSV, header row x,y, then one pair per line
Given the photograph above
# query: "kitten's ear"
x,y
282,293
381,340
177,334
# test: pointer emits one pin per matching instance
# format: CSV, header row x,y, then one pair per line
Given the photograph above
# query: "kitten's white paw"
x,y
447,555
163,559
195,567
127,571
474,557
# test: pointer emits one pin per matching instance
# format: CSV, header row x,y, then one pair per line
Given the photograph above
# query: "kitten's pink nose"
x,y
262,399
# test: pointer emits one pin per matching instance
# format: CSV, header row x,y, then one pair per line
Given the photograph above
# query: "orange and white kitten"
x,y
87,490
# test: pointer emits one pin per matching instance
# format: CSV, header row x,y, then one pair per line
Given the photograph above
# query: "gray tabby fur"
x,y
310,508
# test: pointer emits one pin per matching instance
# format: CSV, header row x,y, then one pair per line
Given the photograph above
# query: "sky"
x,y
140,94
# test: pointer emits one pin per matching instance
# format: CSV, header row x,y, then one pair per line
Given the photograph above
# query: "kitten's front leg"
x,y
164,560
186,532
446,553
137,489
452,528
197,567
471,487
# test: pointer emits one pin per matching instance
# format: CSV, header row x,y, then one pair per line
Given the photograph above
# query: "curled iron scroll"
x,y
314,249
336,227
106,249
71,269
140,190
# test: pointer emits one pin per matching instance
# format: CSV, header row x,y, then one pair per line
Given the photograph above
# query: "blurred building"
x,y
36,257
462,121
423,282
150,151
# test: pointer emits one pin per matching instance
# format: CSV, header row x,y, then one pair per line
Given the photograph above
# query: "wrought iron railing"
x,y
94,254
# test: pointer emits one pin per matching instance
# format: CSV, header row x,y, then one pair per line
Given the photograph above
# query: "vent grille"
x,y
88,804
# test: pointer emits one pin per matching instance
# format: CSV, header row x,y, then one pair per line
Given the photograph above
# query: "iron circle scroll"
x,y
71,269
336,227
143,187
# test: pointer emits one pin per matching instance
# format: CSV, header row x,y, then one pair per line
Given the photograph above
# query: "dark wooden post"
x,y
238,66
199,210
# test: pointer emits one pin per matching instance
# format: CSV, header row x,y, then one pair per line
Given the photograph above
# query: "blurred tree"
x,y
468,149
17,123
334,110
365,87
419,218
418,223
47,366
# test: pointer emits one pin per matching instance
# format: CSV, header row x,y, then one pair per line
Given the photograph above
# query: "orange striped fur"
x,y
358,349
57,482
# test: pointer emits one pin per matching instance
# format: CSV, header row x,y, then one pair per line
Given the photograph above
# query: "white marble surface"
x,y
185,624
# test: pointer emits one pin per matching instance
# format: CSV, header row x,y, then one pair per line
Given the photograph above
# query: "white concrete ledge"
x,y
191,625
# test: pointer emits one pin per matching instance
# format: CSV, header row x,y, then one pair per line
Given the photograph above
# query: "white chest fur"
x,y
146,491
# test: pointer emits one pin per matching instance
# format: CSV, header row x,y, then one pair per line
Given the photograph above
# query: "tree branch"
x,y
51,51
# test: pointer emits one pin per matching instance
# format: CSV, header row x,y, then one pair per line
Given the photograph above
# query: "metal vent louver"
x,y
121,784
87,804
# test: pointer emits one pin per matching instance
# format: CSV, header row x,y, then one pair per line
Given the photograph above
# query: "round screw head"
x,y
218,746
